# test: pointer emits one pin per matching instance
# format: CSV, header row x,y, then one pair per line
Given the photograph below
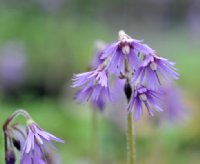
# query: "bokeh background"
x,y
43,42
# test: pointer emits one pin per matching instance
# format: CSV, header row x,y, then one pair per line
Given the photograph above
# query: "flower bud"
x,y
9,157
128,91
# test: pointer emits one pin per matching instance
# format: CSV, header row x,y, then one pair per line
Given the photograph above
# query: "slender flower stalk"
x,y
131,147
14,115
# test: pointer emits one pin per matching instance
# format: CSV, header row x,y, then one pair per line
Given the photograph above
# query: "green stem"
x,y
5,130
14,115
94,137
131,151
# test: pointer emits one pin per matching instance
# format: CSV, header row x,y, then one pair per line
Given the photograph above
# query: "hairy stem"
x,y
131,150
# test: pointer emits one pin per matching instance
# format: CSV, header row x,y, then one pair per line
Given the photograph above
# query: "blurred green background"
x,y
43,42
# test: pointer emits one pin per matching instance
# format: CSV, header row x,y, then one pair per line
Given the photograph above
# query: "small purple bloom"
x,y
145,96
126,49
94,86
35,141
32,142
97,93
152,68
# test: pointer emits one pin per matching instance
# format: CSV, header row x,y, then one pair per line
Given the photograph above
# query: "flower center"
x,y
143,97
126,49
153,66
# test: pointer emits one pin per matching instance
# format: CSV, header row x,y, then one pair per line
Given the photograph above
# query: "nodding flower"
x,y
152,69
31,141
136,65
125,49
143,97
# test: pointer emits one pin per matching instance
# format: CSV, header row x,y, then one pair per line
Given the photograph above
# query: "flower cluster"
x,y
31,141
134,62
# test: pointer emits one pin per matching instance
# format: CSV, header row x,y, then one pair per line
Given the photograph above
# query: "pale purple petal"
x,y
109,50
142,48
36,138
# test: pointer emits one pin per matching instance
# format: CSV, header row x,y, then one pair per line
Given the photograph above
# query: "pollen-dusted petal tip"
x,y
122,35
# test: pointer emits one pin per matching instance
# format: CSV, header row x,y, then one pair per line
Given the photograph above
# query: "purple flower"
x,y
96,93
120,67
35,141
152,68
32,142
94,86
145,96
126,49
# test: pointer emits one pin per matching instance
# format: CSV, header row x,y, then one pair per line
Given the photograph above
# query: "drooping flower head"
x,y
93,85
35,142
143,97
32,142
136,65
152,69
125,49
